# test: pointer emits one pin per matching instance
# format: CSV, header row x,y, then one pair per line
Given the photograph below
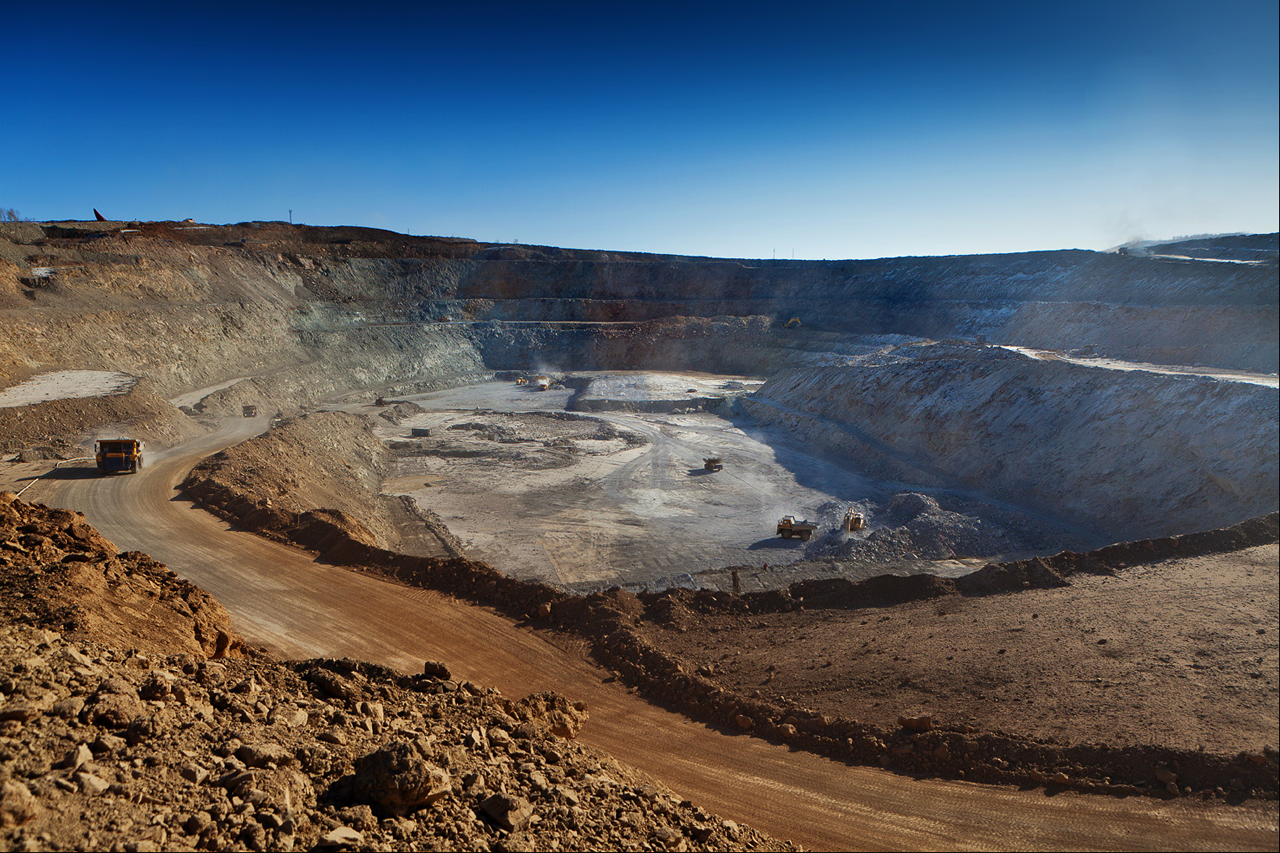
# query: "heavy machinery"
x,y
714,463
249,411
118,454
854,521
522,380
789,527
544,382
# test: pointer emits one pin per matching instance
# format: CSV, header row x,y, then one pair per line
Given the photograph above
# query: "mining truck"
x,y
789,527
714,463
118,454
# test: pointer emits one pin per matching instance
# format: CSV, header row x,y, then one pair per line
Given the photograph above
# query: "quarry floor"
x,y
577,505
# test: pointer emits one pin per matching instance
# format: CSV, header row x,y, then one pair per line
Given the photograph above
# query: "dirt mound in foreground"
x,y
148,749
57,571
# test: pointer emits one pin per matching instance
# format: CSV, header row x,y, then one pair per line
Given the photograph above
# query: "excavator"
x,y
854,520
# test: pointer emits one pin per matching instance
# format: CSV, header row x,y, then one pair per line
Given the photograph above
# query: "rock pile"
x,y
103,748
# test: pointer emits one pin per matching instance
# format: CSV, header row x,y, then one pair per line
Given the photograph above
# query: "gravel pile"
x,y
913,526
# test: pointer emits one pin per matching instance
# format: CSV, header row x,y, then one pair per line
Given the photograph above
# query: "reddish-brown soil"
x,y
1180,653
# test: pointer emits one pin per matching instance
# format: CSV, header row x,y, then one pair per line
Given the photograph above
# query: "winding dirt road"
x,y
280,598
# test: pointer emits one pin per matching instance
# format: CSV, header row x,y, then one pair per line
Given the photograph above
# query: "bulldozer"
x,y
118,454
854,521
714,463
789,527
522,380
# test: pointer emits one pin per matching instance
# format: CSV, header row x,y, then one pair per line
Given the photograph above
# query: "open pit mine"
x,y
336,537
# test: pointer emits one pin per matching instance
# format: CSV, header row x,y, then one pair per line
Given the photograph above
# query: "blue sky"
x,y
810,130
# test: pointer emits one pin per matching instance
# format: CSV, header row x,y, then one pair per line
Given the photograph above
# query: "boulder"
x,y
17,805
511,813
398,779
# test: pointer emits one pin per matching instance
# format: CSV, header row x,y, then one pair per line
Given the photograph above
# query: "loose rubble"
x,y
110,748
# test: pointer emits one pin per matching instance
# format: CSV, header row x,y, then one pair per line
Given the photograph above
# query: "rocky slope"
x,y
168,737
1153,455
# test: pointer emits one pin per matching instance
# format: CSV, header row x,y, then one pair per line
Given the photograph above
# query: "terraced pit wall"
x,y
1125,456
309,313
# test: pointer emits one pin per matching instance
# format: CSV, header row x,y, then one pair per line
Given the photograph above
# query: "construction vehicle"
x,y
543,383
794,321
249,411
522,380
854,521
714,463
789,527
118,454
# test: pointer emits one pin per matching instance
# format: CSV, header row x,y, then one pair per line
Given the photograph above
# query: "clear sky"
x,y
813,130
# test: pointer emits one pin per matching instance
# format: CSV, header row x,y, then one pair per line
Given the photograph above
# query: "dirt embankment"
x,y
118,730
1150,456
612,624
58,572
139,413
309,477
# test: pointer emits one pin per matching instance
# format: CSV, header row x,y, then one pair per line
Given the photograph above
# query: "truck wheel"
x,y
786,534
804,537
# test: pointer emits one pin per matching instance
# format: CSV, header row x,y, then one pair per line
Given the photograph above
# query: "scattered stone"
x,y
922,723
76,757
511,813
397,779
91,784
114,710
17,805
260,755
436,669
343,836
193,772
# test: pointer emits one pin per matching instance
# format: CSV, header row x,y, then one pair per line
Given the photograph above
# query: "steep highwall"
x,y
180,286
1148,456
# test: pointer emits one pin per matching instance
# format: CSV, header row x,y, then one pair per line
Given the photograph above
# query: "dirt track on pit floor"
x,y
281,598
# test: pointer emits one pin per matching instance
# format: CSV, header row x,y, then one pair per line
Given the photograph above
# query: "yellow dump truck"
x,y
118,454
789,527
